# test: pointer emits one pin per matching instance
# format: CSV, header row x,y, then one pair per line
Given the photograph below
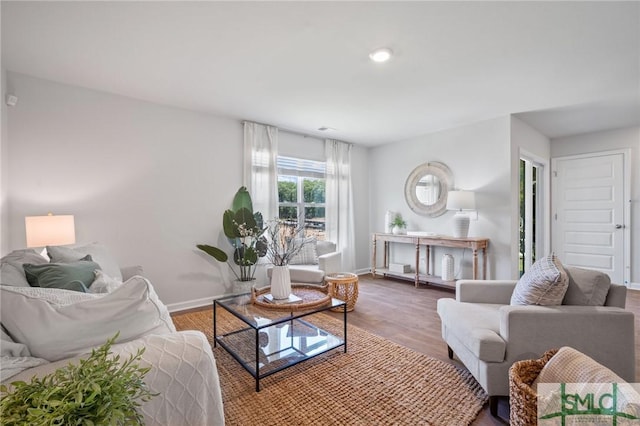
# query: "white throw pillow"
x,y
54,331
569,365
103,283
99,254
545,283
12,275
308,255
585,376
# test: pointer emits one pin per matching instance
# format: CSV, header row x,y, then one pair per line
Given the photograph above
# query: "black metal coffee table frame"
x,y
294,337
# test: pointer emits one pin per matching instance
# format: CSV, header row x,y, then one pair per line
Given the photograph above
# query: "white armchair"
x,y
329,260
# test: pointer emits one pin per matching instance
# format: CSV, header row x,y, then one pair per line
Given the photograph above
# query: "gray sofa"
x,y
488,334
329,260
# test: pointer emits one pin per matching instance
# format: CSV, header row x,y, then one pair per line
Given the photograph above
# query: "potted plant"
x,y
398,225
284,242
100,389
244,229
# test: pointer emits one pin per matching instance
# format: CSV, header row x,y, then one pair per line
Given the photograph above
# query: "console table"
x,y
475,244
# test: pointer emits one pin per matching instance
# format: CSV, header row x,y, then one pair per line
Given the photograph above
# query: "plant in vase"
x,y
398,225
284,242
244,230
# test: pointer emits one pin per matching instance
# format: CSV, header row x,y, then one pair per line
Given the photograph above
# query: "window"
x,y
301,195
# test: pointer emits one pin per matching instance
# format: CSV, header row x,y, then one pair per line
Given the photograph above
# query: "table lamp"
x,y
460,201
50,230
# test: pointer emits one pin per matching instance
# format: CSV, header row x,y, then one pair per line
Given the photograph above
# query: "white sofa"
x,y
328,260
46,328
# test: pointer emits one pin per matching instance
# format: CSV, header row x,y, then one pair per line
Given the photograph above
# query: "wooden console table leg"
x,y
373,258
385,263
475,264
484,263
427,261
417,280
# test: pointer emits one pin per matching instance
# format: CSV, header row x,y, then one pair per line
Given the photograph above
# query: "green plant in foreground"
x,y
100,390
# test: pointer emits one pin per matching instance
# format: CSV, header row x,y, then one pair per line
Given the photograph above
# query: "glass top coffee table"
x,y
265,341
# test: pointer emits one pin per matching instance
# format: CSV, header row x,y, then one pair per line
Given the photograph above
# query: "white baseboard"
x,y
190,304
208,301
634,286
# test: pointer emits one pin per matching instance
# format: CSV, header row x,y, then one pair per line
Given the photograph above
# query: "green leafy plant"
x,y
245,232
98,390
398,221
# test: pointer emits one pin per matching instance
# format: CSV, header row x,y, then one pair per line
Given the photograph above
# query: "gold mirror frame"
x,y
444,175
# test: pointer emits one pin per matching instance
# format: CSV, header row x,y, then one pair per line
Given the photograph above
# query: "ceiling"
x,y
564,67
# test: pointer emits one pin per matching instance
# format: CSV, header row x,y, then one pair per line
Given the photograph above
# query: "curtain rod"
x,y
293,132
281,129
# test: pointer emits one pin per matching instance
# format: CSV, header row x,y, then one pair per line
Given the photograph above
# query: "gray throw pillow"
x,y
76,276
545,283
586,287
308,254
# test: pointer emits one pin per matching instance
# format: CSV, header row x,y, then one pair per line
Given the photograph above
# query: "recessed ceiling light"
x,y
381,55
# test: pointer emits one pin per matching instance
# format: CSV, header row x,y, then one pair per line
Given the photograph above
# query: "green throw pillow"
x,y
77,276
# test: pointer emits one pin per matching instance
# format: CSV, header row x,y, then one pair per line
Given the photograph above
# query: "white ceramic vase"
x,y
447,267
280,282
396,230
388,217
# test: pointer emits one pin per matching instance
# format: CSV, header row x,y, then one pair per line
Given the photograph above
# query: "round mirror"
x,y
427,187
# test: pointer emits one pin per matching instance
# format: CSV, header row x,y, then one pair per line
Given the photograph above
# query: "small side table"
x,y
343,286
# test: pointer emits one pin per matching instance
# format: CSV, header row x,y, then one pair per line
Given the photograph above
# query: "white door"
x,y
589,211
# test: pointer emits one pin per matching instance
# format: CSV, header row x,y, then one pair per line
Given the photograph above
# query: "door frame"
x,y
626,202
544,243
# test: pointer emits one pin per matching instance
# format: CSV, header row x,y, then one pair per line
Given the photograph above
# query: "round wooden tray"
x,y
312,296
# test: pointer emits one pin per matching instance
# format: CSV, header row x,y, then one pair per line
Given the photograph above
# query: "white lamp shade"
x,y
50,230
461,200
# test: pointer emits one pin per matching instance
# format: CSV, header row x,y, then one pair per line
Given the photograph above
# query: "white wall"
x,y
360,180
480,159
4,169
525,140
628,138
149,181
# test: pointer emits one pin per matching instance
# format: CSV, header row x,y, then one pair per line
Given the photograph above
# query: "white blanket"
x,y
183,371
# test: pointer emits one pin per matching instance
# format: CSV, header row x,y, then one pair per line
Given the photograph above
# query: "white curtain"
x,y
339,201
260,168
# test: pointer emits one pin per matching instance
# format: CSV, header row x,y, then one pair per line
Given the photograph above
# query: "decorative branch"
x,y
284,242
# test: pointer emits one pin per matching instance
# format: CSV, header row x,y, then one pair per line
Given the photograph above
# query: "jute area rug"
x,y
377,382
